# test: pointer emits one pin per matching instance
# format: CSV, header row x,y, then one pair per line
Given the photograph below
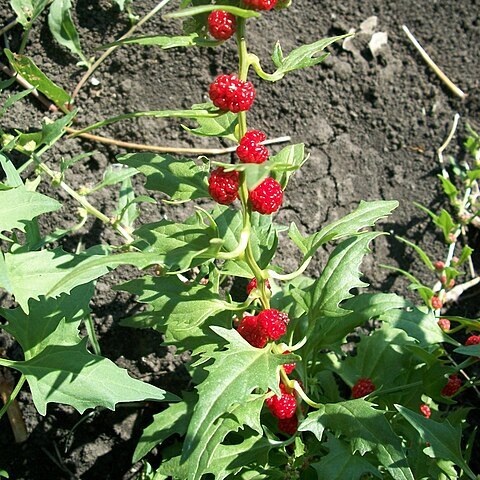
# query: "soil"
x,y
372,125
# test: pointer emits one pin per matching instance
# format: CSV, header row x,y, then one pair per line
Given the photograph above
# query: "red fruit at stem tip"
x,y
363,387
230,93
273,323
260,4
436,303
439,265
425,410
248,329
288,425
453,385
267,197
253,284
288,367
250,150
221,25
223,186
284,406
444,324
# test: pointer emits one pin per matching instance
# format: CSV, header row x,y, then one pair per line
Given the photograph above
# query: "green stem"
x,y
25,36
7,363
14,394
244,64
92,336
84,202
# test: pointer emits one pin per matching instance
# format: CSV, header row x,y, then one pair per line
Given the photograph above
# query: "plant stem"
x,y
25,36
85,203
98,62
13,410
244,64
8,27
92,336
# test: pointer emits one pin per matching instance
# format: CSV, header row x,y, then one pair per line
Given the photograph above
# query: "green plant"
x,y
273,386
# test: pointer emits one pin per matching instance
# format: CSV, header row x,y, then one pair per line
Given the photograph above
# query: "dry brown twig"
x,y
14,413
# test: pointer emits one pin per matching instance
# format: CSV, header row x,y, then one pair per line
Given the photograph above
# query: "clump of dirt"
x,y
371,123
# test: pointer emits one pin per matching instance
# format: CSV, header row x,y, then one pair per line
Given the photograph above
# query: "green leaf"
x,y
13,99
448,187
44,325
13,178
301,57
363,308
341,463
27,11
181,179
470,350
444,439
18,206
465,255
286,162
166,42
179,246
366,215
115,173
221,126
367,429
63,29
235,373
426,260
339,277
446,223
181,311
28,70
165,424
71,375
417,324
190,12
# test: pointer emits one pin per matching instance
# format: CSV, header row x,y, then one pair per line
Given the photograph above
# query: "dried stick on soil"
x,y
13,411
454,294
433,65
8,27
160,149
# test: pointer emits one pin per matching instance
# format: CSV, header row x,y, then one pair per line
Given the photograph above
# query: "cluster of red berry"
x,y
284,407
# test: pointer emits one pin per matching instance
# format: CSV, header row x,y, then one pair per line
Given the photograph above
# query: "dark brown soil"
x,y
371,124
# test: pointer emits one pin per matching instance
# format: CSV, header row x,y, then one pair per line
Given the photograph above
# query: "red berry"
x,y
439,265
267,197
273,323
260,4
452,386
223,186
221,25
425,410
436,303
288,367
230,93
444,324
253,284
473,340
249,330
250,150
288,425
363,387
284,406
443,279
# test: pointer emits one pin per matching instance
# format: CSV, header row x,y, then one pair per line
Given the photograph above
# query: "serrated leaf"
x,y
446,223
18,206
465,255
166,42
214,457
444,439
367,429
63,29
52,321
363,308
28,70
173,420
73,376
179,246
181,179
13,178
448,187
176,309
221,126
341,464
233,376
339,277
366,215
